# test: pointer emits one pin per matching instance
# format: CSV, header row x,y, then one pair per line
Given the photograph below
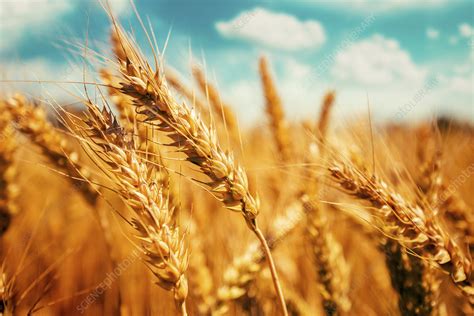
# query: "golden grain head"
x,y
119,206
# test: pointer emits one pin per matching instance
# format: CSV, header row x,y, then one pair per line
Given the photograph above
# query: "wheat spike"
x,y
414,281
8,188
323,121
275,112
332,269
6,295
31,120
192,137
244,269
408,223
220,109
162,243
127,119
173,80
200,276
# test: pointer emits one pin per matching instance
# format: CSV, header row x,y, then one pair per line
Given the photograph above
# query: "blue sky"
x,y
412,58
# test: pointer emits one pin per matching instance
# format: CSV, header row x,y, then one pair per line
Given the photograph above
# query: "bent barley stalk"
x,y
193,138
162,243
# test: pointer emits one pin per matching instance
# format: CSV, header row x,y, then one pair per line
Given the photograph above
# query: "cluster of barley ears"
x,y
148,174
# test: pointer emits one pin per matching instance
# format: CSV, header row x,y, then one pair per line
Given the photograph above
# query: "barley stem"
x,y
271,265
182,309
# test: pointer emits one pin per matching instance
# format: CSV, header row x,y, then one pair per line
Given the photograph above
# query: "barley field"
x,y
148,195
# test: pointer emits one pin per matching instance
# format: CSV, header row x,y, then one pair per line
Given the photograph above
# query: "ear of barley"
x,y
274,109
8,188
414,280
409,223
189,134
200,276
458,214
323,121
244,269
430,181
31,120
193,138
442,200
6,295
333,272
146,145
162,243
331,266
416,284
173,80
121,101
221,110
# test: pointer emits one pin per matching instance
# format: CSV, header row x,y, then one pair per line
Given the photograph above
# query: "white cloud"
x,y
462,84
21,15
432,33
277,30
376,61
466,30
385,5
